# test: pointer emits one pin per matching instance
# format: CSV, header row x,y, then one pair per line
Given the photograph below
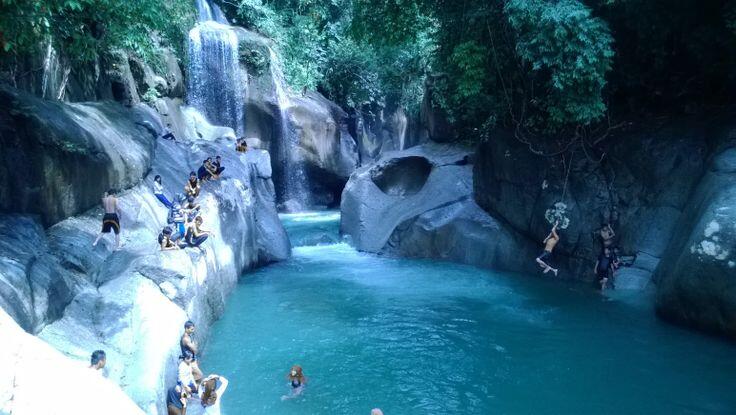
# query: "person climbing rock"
x,y
111,219
604,267
192,187
549,245
204,172
98,360
185,376
158,191
164,240
297,381
176,400
196,235
188,344
212,389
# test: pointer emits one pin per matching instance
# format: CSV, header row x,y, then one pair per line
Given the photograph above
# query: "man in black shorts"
x,y
604,267
111,220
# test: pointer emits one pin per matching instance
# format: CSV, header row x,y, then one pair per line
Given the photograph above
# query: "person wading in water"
x,y
111,220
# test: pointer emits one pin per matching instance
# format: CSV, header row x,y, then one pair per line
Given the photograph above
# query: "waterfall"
x,y
296,194
216,82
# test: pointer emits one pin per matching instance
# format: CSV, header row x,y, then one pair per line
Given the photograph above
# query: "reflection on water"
x,y
425,337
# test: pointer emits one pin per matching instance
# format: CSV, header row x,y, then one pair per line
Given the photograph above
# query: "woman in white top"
x,y
158,191
210,391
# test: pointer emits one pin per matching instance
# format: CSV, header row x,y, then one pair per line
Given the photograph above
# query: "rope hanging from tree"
x,y
558,211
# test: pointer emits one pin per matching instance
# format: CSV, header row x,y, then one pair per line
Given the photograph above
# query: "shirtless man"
x,y
111,220
549,244
188,344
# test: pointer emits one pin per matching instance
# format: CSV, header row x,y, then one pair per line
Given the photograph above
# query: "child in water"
x,y
297,380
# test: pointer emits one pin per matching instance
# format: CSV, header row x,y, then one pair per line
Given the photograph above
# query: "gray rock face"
x,y
641,187
398,187
419,203
382,129
51,150
133,303
696,281
463,232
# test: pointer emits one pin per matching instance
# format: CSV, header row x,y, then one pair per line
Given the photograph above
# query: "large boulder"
x,y
641,185
378,129
696,282
463,232
400,186
52,150
34,371
419,203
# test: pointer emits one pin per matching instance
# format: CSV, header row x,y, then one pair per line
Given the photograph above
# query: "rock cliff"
x,y
133,302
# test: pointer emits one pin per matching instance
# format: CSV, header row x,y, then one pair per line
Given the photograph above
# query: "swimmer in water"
x,y
297,380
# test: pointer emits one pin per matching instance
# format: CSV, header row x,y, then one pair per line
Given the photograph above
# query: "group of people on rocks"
x,y
184,221
607,263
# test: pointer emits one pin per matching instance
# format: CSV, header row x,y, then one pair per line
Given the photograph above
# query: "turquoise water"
x,y
425,337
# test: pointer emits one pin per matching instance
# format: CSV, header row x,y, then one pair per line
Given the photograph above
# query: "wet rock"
x,y
696,282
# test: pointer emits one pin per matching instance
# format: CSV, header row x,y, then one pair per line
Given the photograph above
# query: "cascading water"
x,y
217,83
296,194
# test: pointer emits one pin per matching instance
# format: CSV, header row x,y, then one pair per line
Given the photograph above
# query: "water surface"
x,y
427,337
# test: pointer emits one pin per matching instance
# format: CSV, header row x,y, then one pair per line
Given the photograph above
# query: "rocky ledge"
x,y
419,203
132,303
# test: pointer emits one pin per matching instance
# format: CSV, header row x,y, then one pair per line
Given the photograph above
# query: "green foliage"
x,y
84,29
569,52
151,95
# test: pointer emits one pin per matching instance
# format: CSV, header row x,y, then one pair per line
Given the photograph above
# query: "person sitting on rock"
x,y
211,391
204,172
604,267
111,219
549,245
164,240
241,146
191,208
158,191
192,187
185,376
217,167
188,344
176,400
168,134
195,234
98,360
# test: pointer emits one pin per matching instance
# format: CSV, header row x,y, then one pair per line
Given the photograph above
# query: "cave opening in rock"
x,y
402,176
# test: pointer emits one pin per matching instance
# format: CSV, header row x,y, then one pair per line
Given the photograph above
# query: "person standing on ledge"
x,y
549,245
111,220
187,344
98,360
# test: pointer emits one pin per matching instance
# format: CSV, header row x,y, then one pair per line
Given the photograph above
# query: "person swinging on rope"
x,y
549,244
